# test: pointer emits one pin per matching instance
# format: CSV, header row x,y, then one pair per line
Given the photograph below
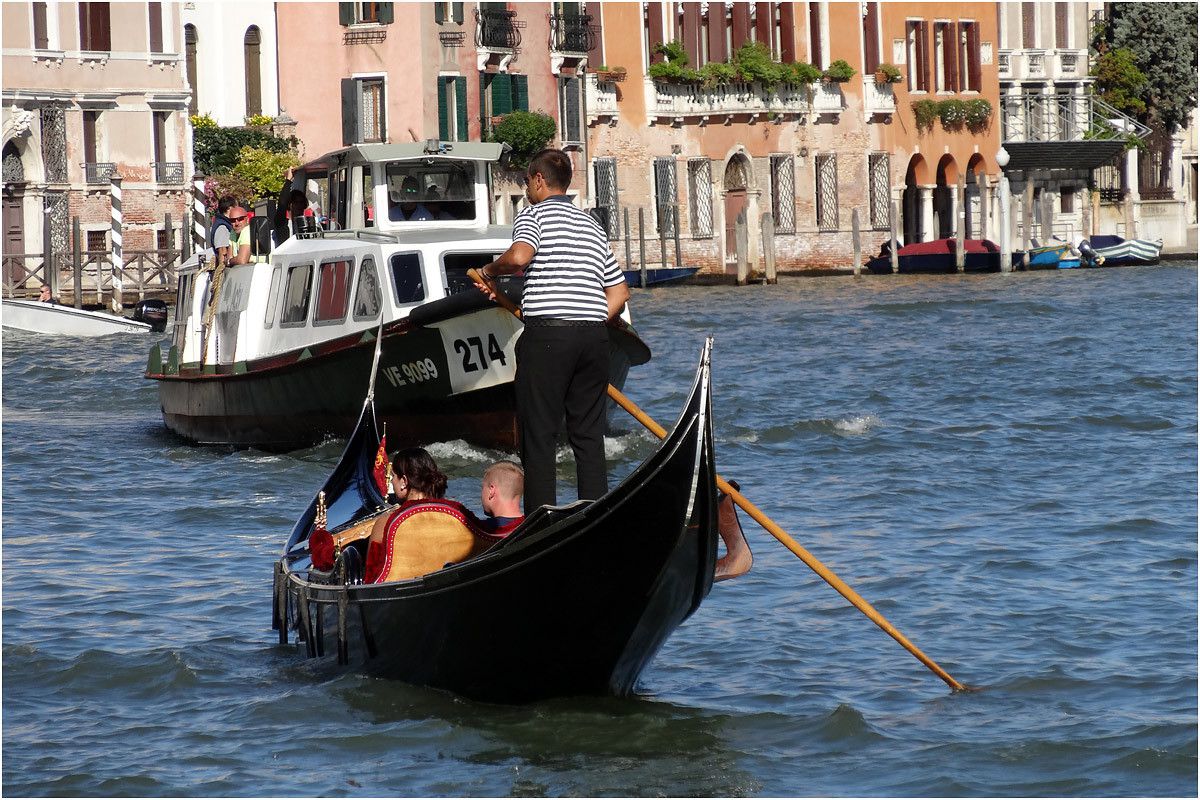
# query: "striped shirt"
x,y
572,263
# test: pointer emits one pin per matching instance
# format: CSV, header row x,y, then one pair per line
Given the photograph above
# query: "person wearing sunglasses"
x,y
239,242
573,286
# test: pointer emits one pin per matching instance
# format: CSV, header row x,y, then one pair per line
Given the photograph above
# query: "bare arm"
x,y
514,259
617,297
242,256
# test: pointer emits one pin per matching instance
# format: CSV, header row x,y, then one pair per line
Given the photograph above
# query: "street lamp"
x,y
1004,200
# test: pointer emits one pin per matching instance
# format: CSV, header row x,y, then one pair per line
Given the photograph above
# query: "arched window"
x,y
190,38
253,71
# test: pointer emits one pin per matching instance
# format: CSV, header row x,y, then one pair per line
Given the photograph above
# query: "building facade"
x,y
813,156
93,90
401,72
229,53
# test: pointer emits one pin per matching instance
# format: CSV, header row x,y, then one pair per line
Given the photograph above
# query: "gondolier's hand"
x,y
488,284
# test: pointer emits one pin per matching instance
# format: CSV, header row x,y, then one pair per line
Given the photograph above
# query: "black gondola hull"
x,y
575,602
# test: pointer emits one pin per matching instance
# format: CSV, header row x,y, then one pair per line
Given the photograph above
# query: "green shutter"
x,y
456,9
443,111
386,14
439,13
460,98
350,106
520,92
346,13
502,94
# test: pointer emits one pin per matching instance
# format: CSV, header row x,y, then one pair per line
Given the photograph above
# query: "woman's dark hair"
x,y
421,470
555,167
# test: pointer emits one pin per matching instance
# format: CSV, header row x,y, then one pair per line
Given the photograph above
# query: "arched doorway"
x,y
943,197
14,223
911,210
736,182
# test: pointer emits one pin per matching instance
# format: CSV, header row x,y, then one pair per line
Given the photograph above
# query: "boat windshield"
x,y
423,191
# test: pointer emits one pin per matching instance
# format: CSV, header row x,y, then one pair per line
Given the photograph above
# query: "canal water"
x,y
1004,465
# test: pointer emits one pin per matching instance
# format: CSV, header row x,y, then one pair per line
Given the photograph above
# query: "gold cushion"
x,y
424,538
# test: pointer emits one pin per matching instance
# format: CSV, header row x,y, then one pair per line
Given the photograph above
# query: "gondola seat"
x,y
424,538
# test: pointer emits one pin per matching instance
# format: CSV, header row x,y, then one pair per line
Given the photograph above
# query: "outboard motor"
x,y
153,313
1090,256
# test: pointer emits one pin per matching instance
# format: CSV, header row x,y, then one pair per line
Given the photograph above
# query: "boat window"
x,y
421,191
333,291
339,200
295,298
368,198
407,279
456,266
367,297
272,296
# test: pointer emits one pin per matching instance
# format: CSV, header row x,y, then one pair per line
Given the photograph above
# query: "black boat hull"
x,y
577,601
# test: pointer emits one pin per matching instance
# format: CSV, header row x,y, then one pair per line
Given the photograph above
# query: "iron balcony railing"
x,y
496,30
572,34
99,171
1034,117
168,172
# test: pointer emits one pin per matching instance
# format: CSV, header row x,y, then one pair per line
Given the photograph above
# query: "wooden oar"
x,y
762,519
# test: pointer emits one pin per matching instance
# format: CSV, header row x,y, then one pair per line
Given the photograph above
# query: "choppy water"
x,y
1004,465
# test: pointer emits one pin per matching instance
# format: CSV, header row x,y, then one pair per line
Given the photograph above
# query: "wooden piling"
x,y
662,238
768,244
1026,221
981,183
628,240
960,219
741,235
1047,218
48,271
642,243
77,260
894,213
678,256
856,238
1130,222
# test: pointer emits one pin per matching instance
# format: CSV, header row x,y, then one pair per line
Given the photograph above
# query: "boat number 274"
x,y
476,355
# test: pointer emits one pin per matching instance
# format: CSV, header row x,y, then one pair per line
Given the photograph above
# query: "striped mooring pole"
x,y
199,217
118,285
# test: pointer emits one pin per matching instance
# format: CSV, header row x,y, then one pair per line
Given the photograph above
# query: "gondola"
x,y
576,601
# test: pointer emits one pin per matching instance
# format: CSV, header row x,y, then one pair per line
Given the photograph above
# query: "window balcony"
x,y
496,30
675,103
1004,64
879,99
601,100
169,173
1071,64
96,172
572,34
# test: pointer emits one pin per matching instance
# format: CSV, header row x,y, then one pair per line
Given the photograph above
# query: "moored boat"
x,y
59,320
278,361
1118,252
938,256
656,276
577,600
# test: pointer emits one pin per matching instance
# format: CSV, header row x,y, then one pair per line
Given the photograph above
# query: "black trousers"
x,y
562,371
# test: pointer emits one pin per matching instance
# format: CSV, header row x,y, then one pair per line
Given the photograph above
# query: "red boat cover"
x,y
938,246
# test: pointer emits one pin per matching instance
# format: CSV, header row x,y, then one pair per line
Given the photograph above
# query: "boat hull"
x,y
935,264
1126,253
659,275
431,387
59,320
576,601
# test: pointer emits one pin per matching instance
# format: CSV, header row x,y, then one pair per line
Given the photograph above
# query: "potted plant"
x,y
952,113
925,112
610,75
838,72
887,73
979,114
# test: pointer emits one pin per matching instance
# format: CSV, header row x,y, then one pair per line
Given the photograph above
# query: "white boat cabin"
x,y
405,223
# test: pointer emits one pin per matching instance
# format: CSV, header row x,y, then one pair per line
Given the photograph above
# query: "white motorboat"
x,y
60,320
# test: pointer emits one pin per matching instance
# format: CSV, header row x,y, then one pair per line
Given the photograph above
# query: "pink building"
x,y
403,72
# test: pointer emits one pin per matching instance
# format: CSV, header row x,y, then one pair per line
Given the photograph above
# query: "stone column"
x,y
926,201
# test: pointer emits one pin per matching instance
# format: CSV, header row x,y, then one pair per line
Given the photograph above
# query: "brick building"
x,y
93,89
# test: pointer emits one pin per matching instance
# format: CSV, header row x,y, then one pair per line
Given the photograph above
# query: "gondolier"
x,y
572,287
